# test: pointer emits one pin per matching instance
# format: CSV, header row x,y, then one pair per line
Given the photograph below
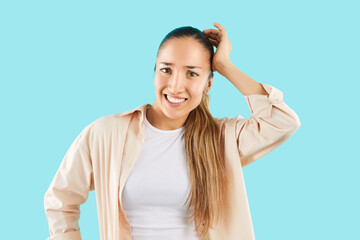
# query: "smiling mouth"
x,y
175,103
168,99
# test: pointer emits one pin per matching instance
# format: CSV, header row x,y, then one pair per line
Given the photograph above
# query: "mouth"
x,y
174,104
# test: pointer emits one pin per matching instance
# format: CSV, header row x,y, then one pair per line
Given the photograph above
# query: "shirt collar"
x,y
140,109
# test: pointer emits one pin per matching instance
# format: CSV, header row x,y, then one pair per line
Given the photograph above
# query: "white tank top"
x,y
155,192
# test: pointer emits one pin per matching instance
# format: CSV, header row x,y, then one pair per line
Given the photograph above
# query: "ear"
x,y
208,86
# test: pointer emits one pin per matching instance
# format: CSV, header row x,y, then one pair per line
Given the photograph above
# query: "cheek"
x,y
159,88
195,95
196,90
157,84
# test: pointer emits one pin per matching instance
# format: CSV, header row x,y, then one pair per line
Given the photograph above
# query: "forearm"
x,y
245,84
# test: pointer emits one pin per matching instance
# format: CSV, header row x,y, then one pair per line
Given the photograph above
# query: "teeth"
x,y
174,100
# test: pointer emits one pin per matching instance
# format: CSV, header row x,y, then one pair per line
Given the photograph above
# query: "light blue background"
x,y
64,64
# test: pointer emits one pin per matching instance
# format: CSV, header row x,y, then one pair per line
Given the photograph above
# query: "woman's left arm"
x,y
272,121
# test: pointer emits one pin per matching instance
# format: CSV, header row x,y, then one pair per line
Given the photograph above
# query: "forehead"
x,y
183,51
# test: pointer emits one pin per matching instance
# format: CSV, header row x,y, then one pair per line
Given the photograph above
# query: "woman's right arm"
x,y
69,189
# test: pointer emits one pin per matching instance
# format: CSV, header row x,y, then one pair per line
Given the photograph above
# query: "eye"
x,y
163,69
195,73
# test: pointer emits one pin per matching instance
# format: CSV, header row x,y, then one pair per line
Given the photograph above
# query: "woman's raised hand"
x,y
219,39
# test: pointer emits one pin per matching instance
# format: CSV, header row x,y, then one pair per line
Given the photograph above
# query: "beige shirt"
x,y
103,154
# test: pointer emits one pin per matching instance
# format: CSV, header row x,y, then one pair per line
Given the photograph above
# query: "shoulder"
x,y
107,121
115,121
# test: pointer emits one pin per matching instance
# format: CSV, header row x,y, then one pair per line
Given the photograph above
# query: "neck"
x,y
157,119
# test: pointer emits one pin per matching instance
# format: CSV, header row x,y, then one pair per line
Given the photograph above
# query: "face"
x,y
182,70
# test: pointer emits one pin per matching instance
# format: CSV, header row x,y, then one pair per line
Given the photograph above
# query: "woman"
x,y
146,164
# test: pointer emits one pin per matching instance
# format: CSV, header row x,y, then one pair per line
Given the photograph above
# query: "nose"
x,y
175,84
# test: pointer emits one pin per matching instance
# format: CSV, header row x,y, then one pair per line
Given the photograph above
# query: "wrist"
x,y
225,67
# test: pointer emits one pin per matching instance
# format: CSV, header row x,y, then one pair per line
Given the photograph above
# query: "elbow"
x,y
47,202
288,126
292,121
45,199
293,126
296,123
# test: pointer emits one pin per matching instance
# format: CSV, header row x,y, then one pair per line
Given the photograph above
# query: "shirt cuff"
x,y
260,105
74,235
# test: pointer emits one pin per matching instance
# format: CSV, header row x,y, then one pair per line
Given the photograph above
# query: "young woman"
x,y
171,170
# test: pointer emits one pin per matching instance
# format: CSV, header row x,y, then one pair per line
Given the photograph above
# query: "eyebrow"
x,y
188,66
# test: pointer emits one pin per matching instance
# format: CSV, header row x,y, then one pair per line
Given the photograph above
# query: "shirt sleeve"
x,y
69,189
271,124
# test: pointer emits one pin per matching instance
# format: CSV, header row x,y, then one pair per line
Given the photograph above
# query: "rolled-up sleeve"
x,y
69,189
271,124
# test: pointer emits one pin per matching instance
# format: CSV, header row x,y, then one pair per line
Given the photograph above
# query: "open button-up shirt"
x,y
103,154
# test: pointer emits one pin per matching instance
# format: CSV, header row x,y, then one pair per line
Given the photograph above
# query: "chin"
x,y
173,114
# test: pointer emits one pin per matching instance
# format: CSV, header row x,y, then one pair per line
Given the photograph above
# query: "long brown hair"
x,y
205,161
